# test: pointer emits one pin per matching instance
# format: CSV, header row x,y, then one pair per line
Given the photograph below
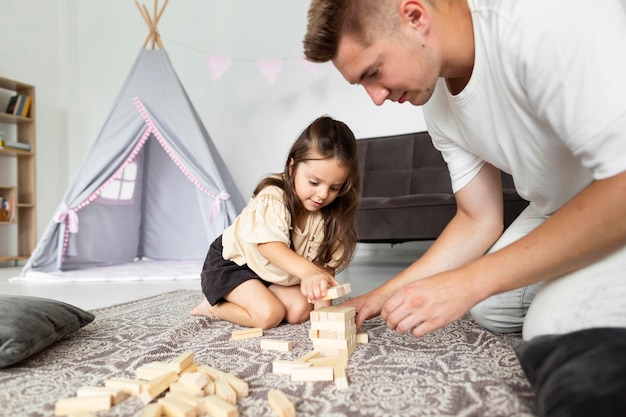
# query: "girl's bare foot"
x,y
203,309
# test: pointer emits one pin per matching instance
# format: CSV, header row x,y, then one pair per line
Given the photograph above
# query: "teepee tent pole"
x,y
152,22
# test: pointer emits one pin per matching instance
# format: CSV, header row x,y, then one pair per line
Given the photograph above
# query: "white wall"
x,y
78,52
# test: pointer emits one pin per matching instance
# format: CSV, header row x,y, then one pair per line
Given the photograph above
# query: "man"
x,y
531,87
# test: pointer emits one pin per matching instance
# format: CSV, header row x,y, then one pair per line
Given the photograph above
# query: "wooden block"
x,y
182,362
338,291
81,414
209,389
187,389
152,410
313,373
332,334
191,368
320,344
117,395
333,324
362,338
195,379
152,370
332,313
239,385
211,372
225,391
217,407
127,385
157,385
69,405
195,402
247,333
310,355
330,361
281,366
275,344
173,407
282,406
341,379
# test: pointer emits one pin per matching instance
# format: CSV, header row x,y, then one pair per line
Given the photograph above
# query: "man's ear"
x,y
413,13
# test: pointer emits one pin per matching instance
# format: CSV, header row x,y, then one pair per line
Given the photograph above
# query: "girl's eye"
x,y
312,182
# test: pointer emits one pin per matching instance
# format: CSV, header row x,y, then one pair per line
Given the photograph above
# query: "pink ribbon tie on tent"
x,y
64,214
215,207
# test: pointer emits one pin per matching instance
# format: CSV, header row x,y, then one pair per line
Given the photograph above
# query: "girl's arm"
x,y
314,280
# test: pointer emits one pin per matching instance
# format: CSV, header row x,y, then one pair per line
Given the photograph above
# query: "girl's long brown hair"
x,y
330,139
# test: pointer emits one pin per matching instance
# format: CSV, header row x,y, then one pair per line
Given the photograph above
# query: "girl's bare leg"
x,y
251,304
203,309
298,309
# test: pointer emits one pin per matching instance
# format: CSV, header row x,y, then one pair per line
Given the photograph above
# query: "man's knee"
x,y
493,317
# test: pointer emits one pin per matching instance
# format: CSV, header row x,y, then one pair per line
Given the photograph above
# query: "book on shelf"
x,y
11,144
19,105
12,104
23,111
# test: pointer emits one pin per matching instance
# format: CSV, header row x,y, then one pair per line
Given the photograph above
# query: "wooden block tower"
x,y
333,330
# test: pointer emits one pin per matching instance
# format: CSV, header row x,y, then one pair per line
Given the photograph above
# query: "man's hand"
x,y
428,304
367,305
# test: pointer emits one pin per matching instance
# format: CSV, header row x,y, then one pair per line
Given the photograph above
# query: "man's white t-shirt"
x,y
546,101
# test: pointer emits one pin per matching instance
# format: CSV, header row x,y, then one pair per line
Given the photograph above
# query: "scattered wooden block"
x,y
182,362
341,379
310,355
225,391
239,385
281,366
330,361
247,333
313,373
282,406
174,407
194,379
152,370
71,405
81,414
127,385
195,402
275,344
217,407
156,386
117,395
186,389
362,338
152,410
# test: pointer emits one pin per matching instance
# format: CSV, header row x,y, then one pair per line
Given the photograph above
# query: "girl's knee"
x,y
299,312
269,317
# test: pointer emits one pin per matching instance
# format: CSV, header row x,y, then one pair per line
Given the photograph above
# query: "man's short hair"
x,y
329,20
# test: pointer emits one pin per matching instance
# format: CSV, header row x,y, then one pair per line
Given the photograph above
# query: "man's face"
x,y
399,68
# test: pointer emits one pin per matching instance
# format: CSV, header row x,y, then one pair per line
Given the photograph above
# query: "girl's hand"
x,y
315,286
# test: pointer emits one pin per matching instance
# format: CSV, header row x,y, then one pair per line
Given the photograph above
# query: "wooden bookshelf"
x,y
19,187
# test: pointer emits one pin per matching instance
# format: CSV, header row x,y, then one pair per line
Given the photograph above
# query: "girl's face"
x,y
318,181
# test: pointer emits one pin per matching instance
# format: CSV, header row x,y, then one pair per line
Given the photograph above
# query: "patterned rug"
x,y
460,370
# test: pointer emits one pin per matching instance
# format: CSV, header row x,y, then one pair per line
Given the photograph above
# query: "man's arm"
x,y
589,227
476,226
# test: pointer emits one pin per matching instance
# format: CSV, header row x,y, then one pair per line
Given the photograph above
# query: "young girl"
x,y
296,231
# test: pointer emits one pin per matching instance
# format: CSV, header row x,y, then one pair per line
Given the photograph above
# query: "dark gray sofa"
x,y
406,190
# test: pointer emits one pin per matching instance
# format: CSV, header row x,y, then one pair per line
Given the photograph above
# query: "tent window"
x,y
122,187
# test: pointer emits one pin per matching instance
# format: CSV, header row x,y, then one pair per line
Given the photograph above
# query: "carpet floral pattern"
x,y
460,370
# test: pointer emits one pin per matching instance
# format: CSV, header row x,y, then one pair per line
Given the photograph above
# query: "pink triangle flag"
x,y
270,69
218,65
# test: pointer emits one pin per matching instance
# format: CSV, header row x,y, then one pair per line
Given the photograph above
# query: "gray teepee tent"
x,y
153,185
